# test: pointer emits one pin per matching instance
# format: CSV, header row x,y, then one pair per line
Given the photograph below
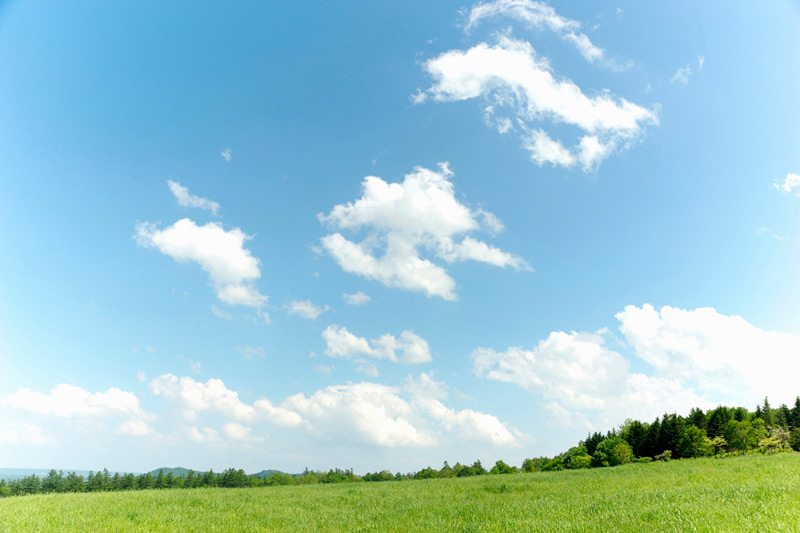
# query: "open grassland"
x,y
757,493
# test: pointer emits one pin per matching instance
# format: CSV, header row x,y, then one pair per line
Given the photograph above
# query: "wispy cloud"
x,y
358,298
683,74
220,313
251,352
189,200
510,76
227,154
791,183
306,309
422,212
537,15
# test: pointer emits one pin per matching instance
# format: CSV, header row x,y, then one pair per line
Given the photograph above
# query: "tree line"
x,y
720,432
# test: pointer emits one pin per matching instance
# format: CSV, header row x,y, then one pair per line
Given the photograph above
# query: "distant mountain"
x,y
177,472
10,474
266,473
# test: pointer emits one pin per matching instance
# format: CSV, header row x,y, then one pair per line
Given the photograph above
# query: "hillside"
x,y
752,493
177,471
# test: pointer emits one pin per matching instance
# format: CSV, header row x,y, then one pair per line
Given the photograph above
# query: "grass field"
x,y
757,493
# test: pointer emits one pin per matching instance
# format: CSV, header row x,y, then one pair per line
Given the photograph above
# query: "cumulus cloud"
x,y
221,253
306,309
71,402
194,397
583,382
511,76
342,343
189,200
466,423
791,183
537,15
723,356
227,154
422,212
698,358
358,298
68,401
367,412
373,414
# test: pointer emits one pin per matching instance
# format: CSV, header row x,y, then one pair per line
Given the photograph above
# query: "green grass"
x,y
757,493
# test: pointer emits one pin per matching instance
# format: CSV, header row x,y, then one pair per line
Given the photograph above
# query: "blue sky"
x,y
271,235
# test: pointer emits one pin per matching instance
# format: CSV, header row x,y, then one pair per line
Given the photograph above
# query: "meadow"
x,y
753,493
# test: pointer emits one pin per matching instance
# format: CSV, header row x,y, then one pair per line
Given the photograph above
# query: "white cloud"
x,y
189,200
543,150
395,416
723,356
221,253
227,154
682,75
362,412
402,218
576,375
358,298
466,423
699,358
71,402
538,15
341,343
791,183
194,397
354,414
67,401
511,76
306,309
701,60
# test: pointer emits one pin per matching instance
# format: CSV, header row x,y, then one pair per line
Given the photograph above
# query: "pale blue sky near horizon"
x,y
642,161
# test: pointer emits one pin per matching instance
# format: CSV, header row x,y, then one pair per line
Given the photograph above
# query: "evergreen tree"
x,y
767,413
783,416
717,421
592,441
795,418
652,439
697,418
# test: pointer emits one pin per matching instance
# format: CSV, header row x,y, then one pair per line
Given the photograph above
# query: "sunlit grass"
x,y
757,493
